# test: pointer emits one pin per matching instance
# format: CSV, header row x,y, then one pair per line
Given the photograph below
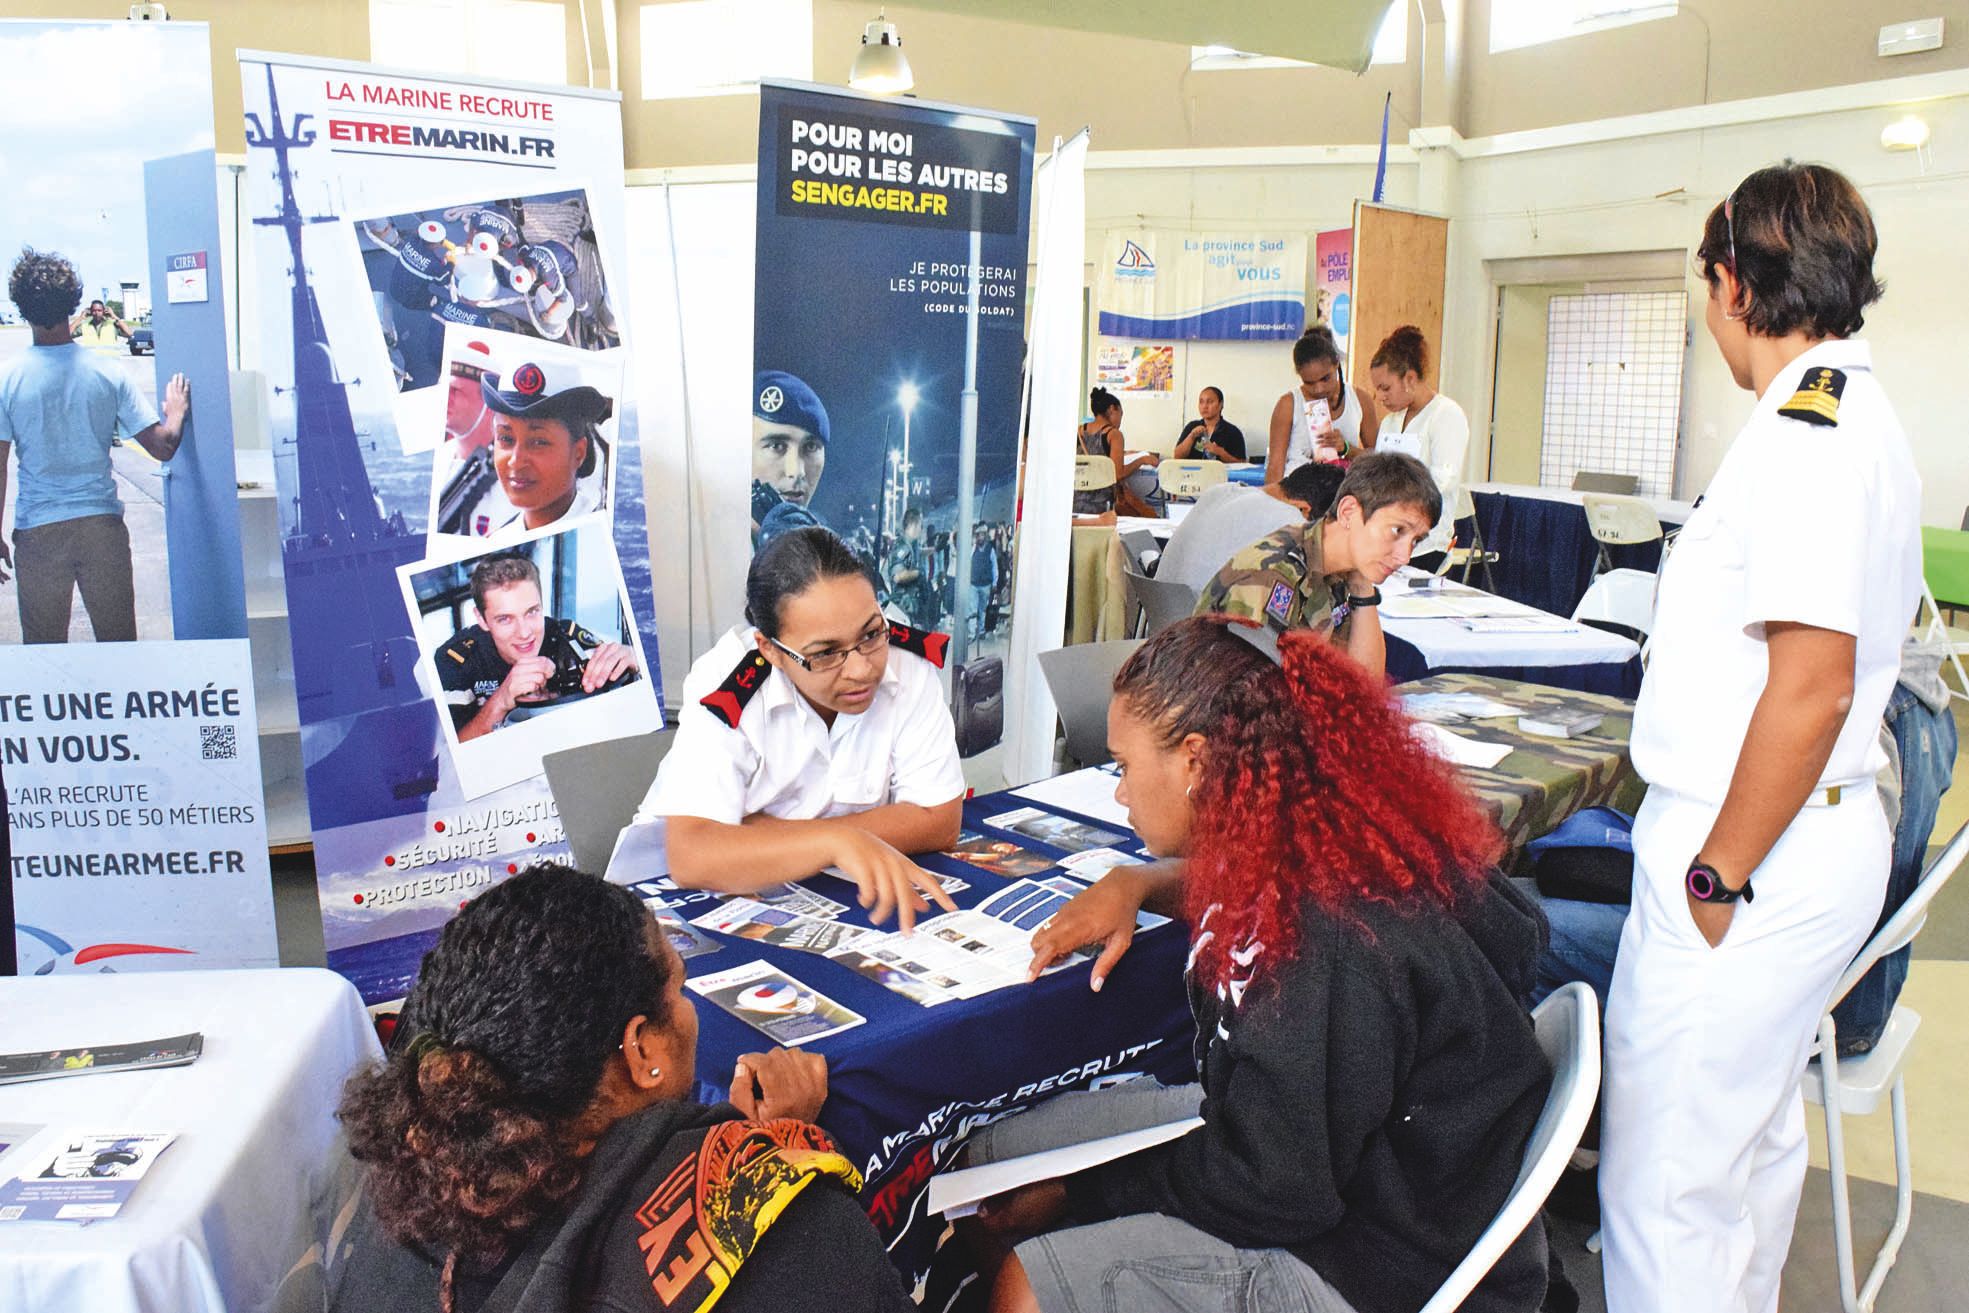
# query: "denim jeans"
x,y
1927,742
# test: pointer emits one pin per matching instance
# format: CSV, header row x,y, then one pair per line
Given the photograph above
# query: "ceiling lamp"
x,y
881,67
1909,133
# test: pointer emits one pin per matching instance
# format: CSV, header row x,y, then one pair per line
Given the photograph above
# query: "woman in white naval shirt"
x,y
1421,422
815,736
1776,642
1322,418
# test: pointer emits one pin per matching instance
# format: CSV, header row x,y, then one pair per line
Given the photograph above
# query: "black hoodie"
x,y
1366,1105
820,1253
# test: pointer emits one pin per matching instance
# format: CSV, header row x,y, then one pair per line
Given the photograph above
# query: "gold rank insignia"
x,y
1817,398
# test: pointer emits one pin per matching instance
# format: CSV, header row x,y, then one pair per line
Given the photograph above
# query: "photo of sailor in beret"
x,y
789,453
538,449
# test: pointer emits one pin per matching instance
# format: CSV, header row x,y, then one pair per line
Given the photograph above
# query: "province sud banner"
x,y
441,271
887,347
127,726
1240,287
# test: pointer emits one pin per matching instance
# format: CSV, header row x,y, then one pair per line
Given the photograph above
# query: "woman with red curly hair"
x,y
1368,1079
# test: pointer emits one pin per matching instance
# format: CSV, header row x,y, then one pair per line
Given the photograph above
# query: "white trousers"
x,y
1702,1126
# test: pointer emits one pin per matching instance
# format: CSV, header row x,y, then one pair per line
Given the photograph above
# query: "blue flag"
x,y
1381,164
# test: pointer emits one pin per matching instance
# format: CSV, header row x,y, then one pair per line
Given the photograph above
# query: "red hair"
x,y
1313,787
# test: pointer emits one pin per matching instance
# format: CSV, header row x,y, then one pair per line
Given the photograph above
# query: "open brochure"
x,y
958,1194
785,1010
965,954
47,1064
89,1177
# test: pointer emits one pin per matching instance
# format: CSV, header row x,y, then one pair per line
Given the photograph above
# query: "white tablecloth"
x,y
231,1205
1446,643
1666,509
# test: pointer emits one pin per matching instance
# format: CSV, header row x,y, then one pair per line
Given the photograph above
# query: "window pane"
x,y
723,47
1517,23
1391,42
525,40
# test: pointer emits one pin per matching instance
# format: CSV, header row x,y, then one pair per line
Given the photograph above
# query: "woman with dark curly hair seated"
x,y
532,1145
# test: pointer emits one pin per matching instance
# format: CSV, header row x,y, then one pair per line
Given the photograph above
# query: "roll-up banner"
x,y
1224,286
127,724
889,335
440,266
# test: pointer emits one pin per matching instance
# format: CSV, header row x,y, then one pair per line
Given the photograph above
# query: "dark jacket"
x,y
820,1253
1228,436
1366,1106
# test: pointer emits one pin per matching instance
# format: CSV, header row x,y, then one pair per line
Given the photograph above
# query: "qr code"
x,y
218,742
12,1213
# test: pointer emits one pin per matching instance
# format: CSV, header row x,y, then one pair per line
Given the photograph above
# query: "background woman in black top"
x,y
1210,435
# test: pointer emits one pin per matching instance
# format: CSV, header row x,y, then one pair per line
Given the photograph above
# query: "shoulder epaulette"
x,y
922,642
457,648
727,701
1817,398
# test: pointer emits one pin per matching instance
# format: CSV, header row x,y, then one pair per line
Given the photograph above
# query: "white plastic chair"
x,y
1618,522
1190,479
1955,641
1621,597
1092,473
1568,1024
1855,1084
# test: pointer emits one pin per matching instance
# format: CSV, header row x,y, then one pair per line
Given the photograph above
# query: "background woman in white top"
x,y
1423,423
1299,432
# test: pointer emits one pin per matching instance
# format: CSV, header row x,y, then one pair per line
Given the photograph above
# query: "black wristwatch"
x,y
1372,599
1706,886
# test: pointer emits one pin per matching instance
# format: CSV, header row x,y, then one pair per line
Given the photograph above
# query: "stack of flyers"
x,y
686,938
90,1177
998,856
746,918
46,1064
1057,831
799,898
1097,862
775,1004
950,884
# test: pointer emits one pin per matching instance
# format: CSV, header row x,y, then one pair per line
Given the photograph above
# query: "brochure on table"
x,y
89,1178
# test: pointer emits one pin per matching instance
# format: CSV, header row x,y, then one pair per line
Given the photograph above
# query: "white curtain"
x,y
690,263
1052,408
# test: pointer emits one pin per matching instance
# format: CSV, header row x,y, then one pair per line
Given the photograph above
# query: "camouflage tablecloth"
x,y
1544,780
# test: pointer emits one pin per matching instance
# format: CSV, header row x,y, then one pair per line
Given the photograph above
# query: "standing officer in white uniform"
x,y
816,736
1761,851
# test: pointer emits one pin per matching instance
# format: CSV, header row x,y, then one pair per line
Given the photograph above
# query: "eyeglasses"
x,y
821,662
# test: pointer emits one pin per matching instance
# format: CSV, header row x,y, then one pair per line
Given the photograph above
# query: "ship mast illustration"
x,y
369,736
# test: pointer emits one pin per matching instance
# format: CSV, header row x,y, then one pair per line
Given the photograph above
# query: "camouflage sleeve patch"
x,y
1269,582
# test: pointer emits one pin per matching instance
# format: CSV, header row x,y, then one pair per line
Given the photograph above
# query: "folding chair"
x,y
1162,601
1622,601
1186,480
1619,522
1475,554
597,788
1954,641
1081,679
1092,473
1568,1025
1855,1084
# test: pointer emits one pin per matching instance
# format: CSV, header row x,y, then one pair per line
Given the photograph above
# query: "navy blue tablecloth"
x,y
905,1087
1621,679
1545,552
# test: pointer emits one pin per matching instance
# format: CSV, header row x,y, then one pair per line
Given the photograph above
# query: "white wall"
x,y
1653,192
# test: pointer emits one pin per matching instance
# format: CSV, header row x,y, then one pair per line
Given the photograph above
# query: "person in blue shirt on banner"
x,y
817,735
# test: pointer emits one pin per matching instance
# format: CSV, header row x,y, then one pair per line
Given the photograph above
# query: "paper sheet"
x,y
958,1194
1089,791
1459,750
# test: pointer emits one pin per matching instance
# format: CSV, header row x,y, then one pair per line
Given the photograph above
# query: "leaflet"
x,y
799,898
90,1177
1057,831
1000,857
1097,862
1089,791
775,1004
686,938
47,1064
746,918
909,978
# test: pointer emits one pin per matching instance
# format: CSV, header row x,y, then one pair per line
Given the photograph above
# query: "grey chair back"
x,y
1140,547
597,788
1162,602
1081,678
